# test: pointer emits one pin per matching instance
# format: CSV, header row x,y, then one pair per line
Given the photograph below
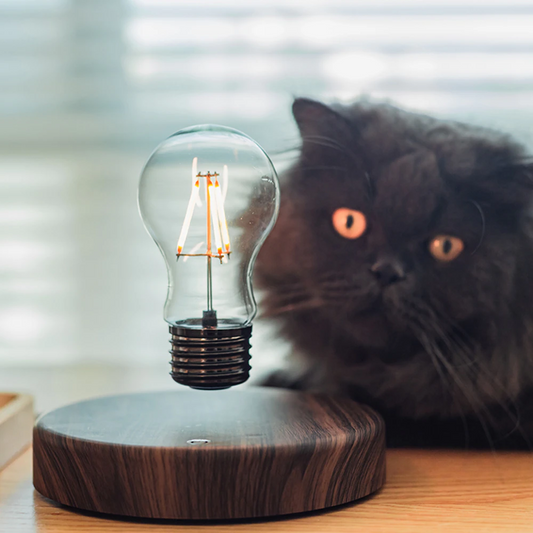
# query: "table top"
x,y
426,491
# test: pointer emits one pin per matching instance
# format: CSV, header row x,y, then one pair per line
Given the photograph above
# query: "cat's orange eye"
x,y
349,223
445,247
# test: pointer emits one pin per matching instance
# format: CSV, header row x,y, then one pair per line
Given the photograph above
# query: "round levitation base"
x,y
253,452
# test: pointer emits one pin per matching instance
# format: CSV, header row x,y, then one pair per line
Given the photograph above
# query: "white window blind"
x,y
89,87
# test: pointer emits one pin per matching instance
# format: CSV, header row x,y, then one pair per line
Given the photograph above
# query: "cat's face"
x,y
375,258
389,234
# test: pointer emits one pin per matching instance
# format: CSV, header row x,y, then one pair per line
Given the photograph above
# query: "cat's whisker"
x,y
328,142
453,344
482,215
441,363
290,298
324,167
445,326
306,305
335,287
446,383
280,300
480,372
467,351
478,408
472,375
347,300
429,323
340,293
338,284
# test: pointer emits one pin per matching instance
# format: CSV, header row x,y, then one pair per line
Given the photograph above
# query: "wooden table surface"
x,y
426,491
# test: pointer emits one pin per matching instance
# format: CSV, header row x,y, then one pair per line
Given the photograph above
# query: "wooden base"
x,y
250,452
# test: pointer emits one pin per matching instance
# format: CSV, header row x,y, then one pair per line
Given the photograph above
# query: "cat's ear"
x,y
316,120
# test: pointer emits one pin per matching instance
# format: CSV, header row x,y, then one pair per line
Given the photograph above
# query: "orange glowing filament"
x,y
217,225
210,199
188,216
221,213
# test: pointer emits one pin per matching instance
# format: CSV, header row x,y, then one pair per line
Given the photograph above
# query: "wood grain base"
x,y
227,454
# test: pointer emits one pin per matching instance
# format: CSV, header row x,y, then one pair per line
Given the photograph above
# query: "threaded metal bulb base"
x,y
210,358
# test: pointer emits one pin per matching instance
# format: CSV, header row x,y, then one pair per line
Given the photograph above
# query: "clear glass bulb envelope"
x,y
209,196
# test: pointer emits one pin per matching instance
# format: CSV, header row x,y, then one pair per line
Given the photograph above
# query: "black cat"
x,y
401,269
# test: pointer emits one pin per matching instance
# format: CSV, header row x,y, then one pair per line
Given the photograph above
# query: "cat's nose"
x,y
388,271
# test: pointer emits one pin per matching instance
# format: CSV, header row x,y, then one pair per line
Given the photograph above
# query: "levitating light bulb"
x,y
209,196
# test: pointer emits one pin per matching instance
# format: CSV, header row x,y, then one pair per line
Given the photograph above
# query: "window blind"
x,y
88,88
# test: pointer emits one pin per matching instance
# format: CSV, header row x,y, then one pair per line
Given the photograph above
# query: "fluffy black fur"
x,y
445,354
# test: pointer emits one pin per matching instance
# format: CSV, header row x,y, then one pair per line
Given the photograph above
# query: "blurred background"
x,y
88,88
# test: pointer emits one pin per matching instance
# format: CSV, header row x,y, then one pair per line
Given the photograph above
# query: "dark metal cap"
x,y
210,358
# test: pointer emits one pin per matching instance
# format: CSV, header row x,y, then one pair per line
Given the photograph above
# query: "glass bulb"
x,y
209,196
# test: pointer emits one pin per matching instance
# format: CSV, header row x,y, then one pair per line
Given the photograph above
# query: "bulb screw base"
x,y
210,358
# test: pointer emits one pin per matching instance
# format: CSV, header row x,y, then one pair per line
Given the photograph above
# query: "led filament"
x,y
216,223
